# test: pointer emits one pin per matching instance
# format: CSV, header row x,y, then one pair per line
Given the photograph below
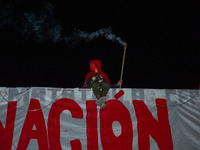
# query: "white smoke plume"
x,y
105,32
43,26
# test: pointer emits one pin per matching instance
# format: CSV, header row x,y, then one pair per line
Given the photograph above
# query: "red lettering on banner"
x,y
147,125
75,144
91,120
54,121
116,111
6,134
119,94
34,117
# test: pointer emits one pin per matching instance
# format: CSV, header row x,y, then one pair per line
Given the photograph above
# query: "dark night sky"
x,y
163,43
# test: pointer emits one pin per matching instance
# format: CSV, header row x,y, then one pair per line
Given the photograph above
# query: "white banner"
x,y
68,119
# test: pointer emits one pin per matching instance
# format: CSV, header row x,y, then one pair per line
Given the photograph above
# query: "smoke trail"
x,y
44,27
106,32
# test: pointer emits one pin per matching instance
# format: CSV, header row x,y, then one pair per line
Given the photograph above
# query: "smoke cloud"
x,y
43,26
31,26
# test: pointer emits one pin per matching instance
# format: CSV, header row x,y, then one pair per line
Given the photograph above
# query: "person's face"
x,y
93,68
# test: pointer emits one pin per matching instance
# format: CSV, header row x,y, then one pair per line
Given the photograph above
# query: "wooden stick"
x,y
125,46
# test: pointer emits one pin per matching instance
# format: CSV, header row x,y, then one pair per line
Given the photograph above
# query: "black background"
x,y
163,44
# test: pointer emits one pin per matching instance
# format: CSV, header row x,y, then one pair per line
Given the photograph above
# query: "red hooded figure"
x,y
99,82
96,65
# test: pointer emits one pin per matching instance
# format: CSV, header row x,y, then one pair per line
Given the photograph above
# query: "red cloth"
x,y
98,65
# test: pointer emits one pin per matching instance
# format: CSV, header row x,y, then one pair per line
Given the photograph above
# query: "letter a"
x,y
34,117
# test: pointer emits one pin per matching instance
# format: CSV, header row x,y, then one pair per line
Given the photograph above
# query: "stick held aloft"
x,y
125,46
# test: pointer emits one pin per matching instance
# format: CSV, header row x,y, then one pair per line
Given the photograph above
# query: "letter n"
x,y
147,125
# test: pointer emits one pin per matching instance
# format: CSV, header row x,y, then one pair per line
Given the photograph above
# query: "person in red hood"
x,y
99,82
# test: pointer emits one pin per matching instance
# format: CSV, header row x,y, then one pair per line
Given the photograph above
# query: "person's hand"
x,y
119,82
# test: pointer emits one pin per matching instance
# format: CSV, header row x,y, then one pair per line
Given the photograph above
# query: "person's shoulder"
x,y
89,74
104,73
